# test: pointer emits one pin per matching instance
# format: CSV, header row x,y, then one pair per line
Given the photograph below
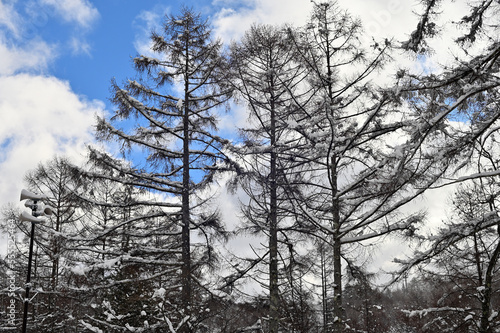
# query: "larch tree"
x,y
267,77
55,250
58,303
457,108
122,260
461,258
356,183
174,137
464,252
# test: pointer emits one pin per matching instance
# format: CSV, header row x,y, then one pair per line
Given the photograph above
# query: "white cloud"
x,y
34,55
9,18
81,12
231,23
146,22
41,117
79,46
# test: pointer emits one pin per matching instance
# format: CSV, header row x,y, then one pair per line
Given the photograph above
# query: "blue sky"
x,y
57,58
93,48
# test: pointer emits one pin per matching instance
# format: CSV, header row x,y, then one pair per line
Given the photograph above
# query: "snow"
x,y
180,104
160,293
423,312
149,60
480,175
291,123
255,327
80,269
109,263
130,328
91,328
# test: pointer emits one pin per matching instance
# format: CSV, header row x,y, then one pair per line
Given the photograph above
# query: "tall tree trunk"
x,y
186,240
485,326
273,230
338,312
324,290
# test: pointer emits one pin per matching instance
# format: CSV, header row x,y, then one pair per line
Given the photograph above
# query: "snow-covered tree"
x,y
54,252
366,307
56,305
458,104
269,80
172,106
463,256
457,122
354,179
123,261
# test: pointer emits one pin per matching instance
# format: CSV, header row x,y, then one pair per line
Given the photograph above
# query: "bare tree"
x,y
268,78
464,256
354,181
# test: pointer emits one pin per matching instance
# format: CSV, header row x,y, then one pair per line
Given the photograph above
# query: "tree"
x,y
268,78
354,183
180,152
12,277
366,307
460,129
464,92
463,258
54,249
123,262
58,302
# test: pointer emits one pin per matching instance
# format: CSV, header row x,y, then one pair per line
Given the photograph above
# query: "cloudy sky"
x,y
57,58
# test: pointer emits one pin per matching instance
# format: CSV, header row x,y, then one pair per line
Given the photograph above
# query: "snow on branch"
x,y
444,239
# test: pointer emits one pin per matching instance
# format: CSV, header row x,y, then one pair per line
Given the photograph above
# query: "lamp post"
x,y
35,202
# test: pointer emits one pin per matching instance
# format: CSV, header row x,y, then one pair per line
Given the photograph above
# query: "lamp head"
x,y
39,208
29,218
25,194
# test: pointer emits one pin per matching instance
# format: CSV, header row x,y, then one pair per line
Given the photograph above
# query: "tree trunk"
x,y
186,240
338,312
273,230
485,326
324,290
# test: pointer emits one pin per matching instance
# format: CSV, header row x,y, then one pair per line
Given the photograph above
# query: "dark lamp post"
x,y
35,202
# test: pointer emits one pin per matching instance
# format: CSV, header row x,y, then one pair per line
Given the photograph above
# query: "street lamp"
x,y
38,208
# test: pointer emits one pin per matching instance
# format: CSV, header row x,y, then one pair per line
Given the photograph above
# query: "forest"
x,y
325,171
